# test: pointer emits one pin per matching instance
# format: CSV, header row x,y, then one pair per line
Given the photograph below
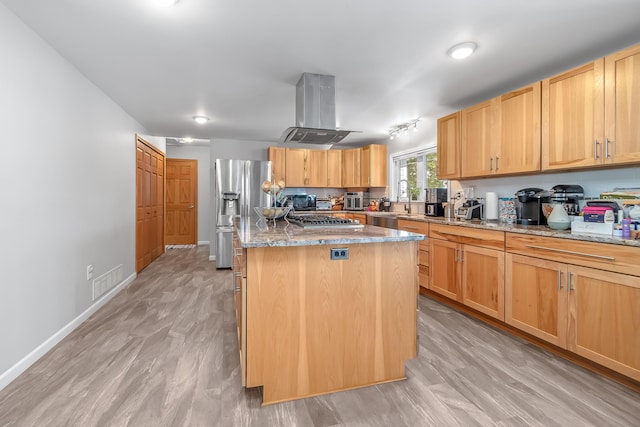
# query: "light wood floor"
x,y
164,353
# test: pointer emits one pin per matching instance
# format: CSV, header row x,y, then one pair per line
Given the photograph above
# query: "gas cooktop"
x,y
322,221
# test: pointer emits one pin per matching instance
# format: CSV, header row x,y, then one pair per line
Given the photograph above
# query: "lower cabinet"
x,y
240,301
593,312
468,266
423,248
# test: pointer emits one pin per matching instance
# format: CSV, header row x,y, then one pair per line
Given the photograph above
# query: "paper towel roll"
x,y
491,208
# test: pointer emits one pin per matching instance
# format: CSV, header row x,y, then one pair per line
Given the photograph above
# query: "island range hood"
x,y
315,112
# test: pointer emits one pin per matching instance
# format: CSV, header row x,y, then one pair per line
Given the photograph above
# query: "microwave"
x,y
303,202
355,200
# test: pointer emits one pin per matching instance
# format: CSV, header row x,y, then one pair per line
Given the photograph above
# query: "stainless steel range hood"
x,y
315,112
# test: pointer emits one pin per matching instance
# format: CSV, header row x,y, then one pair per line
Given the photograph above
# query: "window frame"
x,y
398,157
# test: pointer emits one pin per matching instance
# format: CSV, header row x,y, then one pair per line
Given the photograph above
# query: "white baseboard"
x,y
212,257
12,373
203,242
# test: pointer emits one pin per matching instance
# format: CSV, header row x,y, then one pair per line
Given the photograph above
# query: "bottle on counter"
x,y
626,228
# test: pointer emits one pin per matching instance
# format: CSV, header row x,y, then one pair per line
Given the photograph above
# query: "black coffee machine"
x,y
529,208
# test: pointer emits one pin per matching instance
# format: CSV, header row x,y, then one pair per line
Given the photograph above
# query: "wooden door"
x,y
149,203
483,280
334,168
573,118
316,169
604,318
444,273
478,134
519,139
449,146
622,107
277,155
536,297
351,167
181,226
295,173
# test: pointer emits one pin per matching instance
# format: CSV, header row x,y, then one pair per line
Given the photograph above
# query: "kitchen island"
x,y
309,324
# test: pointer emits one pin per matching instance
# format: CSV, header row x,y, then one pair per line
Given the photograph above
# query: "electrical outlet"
x,y
89,272
339,253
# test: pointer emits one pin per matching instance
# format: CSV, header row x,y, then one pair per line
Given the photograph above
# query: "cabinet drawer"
x,y
491,239
416,227
423,257
423,276
603,256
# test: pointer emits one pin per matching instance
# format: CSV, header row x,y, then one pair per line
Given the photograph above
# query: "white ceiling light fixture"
x,y
462,50
403,129
186,140
201,119
165,3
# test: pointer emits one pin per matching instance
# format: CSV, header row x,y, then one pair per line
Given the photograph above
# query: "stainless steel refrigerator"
x,y
237,191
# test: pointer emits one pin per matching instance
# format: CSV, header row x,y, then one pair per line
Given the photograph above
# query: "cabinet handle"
x,y
455,255
236,253
237,273
595,149
559,279
497,158
236,289
608,258
606,148
491,163
461,255
569,282
410,228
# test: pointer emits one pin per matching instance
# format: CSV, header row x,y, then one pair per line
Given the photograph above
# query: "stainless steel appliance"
x,y
433,209
303,202
435,195
529,206
237,189
355,200
470,209
569,196
322,221
385,205
323,204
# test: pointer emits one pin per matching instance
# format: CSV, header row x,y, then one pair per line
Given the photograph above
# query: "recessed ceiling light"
x,y
201,119
165,3
462,50
187,140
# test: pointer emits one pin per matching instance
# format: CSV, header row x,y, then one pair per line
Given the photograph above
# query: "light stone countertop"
x,y
251,236
536,230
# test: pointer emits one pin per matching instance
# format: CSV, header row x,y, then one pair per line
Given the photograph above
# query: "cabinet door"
x,y
449,146
334,168
536,297
277,155
351,167
316,169
359,218
573,118
477,136
444,275
604,323
295,173
373,166
483,280
519,139
622,107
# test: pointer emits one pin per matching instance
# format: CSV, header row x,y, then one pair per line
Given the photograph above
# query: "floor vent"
x,y
180,246
107,281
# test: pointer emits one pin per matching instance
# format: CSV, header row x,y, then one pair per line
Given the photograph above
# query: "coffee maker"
x,y
529,206
569,196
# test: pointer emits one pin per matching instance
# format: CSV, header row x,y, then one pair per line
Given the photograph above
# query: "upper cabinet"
x,y
590,114
334,168
622,106
278,167
351,167
502,135
373,166
449,146
317,168
305,168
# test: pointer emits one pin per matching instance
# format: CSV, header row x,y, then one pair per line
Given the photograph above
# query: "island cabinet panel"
x,y
316,325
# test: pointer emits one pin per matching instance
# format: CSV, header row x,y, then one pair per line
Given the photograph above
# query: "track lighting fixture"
x,y
403,129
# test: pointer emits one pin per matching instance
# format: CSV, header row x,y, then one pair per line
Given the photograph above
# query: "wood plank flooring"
x,y
164,353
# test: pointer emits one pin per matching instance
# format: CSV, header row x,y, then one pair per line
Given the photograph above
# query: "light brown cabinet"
x,y
277,155
468,266
240,301
588,114
423,248
449,146
584,297
502,135
373,166
305,168
351,167
334,168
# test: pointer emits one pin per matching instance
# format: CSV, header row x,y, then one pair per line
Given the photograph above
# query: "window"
x,y
413,172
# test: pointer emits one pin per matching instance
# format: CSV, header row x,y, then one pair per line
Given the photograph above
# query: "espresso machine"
x,y
569,196
529,206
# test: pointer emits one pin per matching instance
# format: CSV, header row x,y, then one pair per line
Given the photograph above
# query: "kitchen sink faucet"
x,y
409,204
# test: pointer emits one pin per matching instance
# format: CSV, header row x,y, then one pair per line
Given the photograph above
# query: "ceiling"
x,y
238,61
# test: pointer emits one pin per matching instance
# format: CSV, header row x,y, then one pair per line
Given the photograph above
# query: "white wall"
x,y
201,154
67,193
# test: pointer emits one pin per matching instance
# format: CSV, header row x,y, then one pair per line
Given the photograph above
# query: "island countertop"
x,y
251,236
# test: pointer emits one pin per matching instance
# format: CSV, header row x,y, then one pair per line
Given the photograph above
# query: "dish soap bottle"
x,y
559,219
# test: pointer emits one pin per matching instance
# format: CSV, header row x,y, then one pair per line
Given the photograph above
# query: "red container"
x,y
594,213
